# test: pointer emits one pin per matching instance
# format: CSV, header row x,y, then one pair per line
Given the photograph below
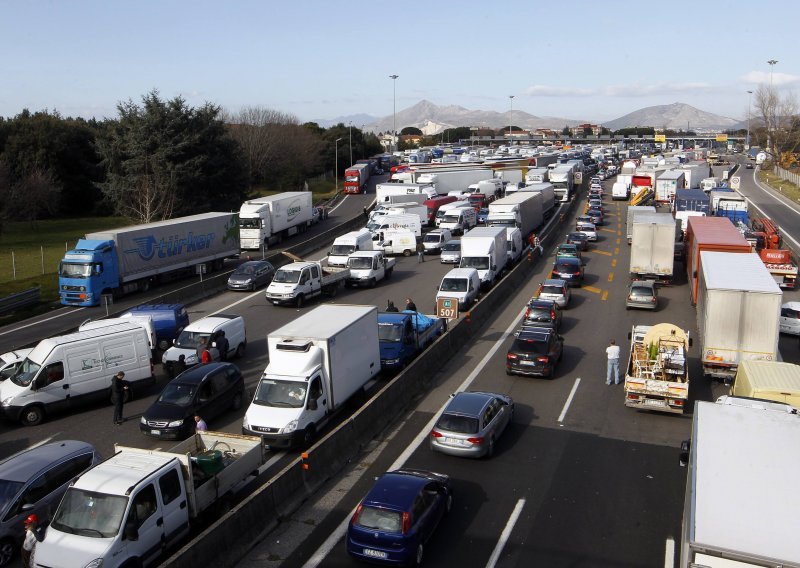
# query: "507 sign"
x,y
447,308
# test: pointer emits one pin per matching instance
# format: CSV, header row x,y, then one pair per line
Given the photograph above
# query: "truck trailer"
x,y
484,249
268,220
355,178
653,246
120,261
522,209
548,196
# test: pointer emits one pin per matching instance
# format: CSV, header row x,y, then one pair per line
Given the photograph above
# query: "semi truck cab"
x,y
87,272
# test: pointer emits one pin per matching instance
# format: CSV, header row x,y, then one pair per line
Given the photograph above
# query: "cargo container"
x,y
668,183
633,211
268,220
522,210
768,380
653,247
709,234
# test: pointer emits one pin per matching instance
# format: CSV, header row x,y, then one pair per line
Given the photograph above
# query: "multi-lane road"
x,y
578,479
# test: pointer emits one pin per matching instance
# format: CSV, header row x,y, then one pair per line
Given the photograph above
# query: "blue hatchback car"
x,y
397,517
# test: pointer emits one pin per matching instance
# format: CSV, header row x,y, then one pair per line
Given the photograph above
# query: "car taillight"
x,y
552,315
543,359
357,514
435,434
406,523
527,314
512,356
476,441
653,299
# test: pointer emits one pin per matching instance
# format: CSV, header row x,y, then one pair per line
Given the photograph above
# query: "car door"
x,y
175,510
428,509
146,519
52,388
207,401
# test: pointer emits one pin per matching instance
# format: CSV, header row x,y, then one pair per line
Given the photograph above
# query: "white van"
x,y
65,371
396,223
459,220
462,284
143,321
447,206
347,244
515,245
399,242
206,328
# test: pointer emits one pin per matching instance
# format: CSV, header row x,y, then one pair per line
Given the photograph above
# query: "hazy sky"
x,y
323,59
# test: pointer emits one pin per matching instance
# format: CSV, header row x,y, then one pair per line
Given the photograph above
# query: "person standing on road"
x,y
410,305
536,243
118,388
613,362
32,536
420,252
222,345
200,424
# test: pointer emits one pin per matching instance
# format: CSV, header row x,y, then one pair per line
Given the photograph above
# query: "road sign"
x,y
660,138
722,138
735,182
447,308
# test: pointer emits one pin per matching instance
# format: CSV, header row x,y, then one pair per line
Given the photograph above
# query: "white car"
x,y
790,318
587,229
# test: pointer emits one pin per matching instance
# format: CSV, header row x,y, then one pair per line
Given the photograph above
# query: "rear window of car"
x,y
452,246
529,346
553,290
380,519
538,314
645,291
457,423
566,266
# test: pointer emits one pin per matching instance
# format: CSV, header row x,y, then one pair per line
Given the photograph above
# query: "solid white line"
x,y
569,401
341,530
504,536
237,302
41,321
784,232
669,553
43,442
339,204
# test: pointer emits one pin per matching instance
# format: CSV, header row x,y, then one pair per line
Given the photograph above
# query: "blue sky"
x,y
325,59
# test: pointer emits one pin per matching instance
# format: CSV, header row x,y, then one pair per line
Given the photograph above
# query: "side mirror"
x,y
312,404
684,455
131,533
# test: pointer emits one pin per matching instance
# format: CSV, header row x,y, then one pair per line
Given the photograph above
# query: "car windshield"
x,y
429,238
342,250
245,223
452,247
534,346
458,423
72,270
245,271
25,373
190,339
390,332
377,518
177,394
91,514
476,262
284,394
641,291
8,490
359,262
287,276
454,285
557,290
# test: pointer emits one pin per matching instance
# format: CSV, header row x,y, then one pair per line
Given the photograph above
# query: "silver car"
x,y
471,424
556,290
451,252
251,275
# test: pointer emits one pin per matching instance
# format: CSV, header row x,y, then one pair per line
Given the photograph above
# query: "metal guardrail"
x,y
20,300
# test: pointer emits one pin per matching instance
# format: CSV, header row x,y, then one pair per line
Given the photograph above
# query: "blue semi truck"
x,y
120,261
403,335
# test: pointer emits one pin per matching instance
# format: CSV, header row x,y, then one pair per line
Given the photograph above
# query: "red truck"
x,y
780,265
355,178
709,234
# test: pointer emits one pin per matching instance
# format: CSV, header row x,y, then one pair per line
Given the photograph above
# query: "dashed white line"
x,y
569,401
506,534
669,553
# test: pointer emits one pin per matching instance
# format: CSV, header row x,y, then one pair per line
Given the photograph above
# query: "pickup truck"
x,y
403,335
299,281
128,509
367,267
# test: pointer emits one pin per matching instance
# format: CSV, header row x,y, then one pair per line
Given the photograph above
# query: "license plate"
x,y
531,363
455,442
374,553
653,402
155,432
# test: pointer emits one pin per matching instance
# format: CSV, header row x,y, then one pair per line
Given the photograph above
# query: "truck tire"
x,y
32,415
407,252
299,301
308,435
240,350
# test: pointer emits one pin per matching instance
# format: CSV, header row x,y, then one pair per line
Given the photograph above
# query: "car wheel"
x,y
490,449
240,350
299,301
32,416
419,554
406,253
237,400
372,282
7,548
252,287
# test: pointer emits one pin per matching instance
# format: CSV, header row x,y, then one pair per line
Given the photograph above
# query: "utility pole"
x,y
336,160
511,118
749,105
394,109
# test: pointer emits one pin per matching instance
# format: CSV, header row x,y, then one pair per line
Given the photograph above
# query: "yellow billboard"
x,y
660,137
722,137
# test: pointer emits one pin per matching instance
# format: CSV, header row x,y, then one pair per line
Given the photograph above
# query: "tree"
x,y
163,158
409,130
778,116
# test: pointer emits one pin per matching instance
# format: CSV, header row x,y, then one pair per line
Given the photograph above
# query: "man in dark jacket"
x,y
222,345
118,388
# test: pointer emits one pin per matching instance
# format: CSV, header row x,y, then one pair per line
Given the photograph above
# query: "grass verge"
x,y
787,188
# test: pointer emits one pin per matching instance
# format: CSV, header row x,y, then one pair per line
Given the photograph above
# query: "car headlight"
x,y
246,423
7,401
175,424
96,563
290,427
392,361
143,420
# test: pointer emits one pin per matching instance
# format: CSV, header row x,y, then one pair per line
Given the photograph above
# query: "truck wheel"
x,y
299,301
308,435
163,344
372,282
389,273
406,252
7,549
32,416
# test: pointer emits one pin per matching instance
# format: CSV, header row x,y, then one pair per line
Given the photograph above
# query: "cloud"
x,y
763,77
622,91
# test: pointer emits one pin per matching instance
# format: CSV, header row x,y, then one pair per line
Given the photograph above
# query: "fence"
x,y
27,262
788,176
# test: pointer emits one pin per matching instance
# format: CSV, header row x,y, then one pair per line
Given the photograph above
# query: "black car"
x,y
568,268
578,239
543,313
535,352
251,275
207,390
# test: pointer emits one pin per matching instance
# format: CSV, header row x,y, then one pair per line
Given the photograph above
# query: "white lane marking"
x,y
43,442
569,401
669,553
237,302
341,530
41,321
339,204
504,536
784,232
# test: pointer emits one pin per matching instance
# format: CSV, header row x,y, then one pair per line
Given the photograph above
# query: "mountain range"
x,y
433,119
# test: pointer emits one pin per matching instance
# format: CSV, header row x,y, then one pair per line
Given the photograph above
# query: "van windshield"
x,y
454,285
342,250
287,277
190,339
91,514
476,262
284,394
360,262
25,373
390,332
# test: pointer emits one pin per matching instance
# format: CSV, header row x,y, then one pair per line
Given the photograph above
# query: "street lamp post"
x,y
394,108
336,162
511,118
749,104
771,119
351,142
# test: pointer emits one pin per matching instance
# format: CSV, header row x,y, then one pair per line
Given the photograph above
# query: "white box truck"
x,y
316,363
537,175
484,249
345,245
653,247
455,180
563,179
667,183
130,508
386,223
633,211
268,220
384,190
548,196
522,210
741,503
738,312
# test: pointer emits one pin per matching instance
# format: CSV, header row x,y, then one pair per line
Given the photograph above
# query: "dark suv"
x,y
543,313
207,390
569,269
535,352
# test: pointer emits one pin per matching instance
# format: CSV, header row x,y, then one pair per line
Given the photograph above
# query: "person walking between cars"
x,y
32,536
613,362
118,388
200,424
390,307
420,253
536,243
410,305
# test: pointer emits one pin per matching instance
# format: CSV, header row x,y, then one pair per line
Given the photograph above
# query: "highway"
x,y
593,483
